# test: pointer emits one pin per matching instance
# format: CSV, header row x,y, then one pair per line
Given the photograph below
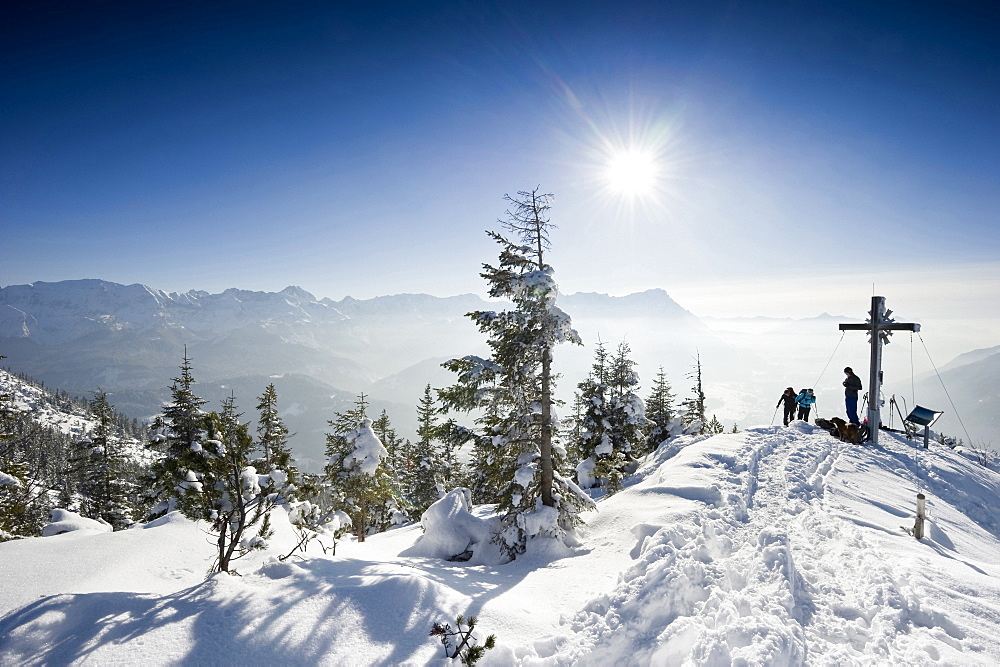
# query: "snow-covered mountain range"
x,y
129,340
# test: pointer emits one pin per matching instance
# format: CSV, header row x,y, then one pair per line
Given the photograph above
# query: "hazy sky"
x,y
799,152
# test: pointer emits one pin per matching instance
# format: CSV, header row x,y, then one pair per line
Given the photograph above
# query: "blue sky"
x,y
800,149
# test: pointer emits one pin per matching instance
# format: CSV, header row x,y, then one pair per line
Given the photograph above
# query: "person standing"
x,y
805,399
852,385
788,398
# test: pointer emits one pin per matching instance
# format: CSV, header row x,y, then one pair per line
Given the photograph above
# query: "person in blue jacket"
x,y
806,399
852,385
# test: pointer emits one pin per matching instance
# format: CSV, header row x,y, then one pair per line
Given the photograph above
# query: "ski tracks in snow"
x,y
753,570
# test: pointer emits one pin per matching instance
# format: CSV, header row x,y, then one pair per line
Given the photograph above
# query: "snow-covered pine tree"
x,y
19,516
359,482
342,424
594,442
397,509
272,437
229,492
105,484
513,388
626,415
428,463
178,440
659,411
613,421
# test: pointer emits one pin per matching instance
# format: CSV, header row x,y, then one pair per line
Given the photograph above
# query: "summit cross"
x,y
879,327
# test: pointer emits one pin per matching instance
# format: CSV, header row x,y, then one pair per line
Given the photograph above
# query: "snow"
x,y
367,451
771,546
586,472
64,521
450,529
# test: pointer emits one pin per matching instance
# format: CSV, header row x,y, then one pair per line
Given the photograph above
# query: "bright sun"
x,y
632,173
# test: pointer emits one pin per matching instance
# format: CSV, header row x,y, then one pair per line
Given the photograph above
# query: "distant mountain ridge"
x,y
971,402
62,311
57,312
81,335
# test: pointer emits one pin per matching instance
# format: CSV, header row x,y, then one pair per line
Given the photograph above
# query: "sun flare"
x,y
632,173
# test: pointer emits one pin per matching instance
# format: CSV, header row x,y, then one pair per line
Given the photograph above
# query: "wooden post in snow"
x,y
918,527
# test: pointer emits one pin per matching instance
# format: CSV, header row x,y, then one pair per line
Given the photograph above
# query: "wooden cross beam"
x,y
879,327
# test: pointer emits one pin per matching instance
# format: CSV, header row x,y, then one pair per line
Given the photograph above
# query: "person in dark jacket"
x,y
806,399
852,385
788,398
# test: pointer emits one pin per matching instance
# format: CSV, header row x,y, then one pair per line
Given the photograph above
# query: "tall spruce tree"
x,y
659,411
392,442
626,416
397,509
428,463
514,387
105,485
178,441
272,437
594,442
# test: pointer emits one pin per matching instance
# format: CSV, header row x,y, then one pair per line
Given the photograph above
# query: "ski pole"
x,y
775,414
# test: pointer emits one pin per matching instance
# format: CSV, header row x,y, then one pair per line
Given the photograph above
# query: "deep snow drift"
x,y
771,546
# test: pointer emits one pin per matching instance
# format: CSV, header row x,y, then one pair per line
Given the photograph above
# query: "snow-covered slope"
x,y
771,546
70,417
26,397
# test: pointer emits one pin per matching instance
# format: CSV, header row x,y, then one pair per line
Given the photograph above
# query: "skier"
x,y
788,398
852,385
806,399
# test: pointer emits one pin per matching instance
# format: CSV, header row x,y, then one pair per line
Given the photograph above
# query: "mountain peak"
x,y
298,292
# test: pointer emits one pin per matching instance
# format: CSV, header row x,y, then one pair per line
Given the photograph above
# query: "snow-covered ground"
x,y
771,546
